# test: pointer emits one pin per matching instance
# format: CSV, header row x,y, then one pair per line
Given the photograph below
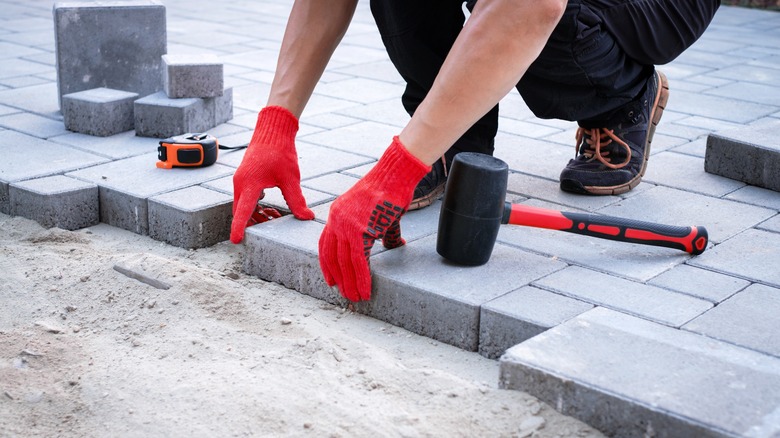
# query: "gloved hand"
x,y
270,161
370,210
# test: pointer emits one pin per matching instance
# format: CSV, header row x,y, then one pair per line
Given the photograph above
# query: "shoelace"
x,y
596,139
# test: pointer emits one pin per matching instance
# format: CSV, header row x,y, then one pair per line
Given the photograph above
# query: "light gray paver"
x,y
687,173
751,155
415,288
193,217
749,319
110,44
753,256
26,157
630,377
33,124
125,186
159,116
522,314
646,301
118,146
192,75
99,111
711,286
56,201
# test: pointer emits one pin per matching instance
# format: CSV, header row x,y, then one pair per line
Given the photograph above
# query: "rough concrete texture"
x,y
160,116
56,201
119,45
99,111
522,314
750,155
193,217
630,377
192,75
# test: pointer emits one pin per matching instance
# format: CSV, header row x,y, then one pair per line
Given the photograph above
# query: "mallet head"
x,y
472,209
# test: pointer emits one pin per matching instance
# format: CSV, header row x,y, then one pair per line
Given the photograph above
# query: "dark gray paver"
x,y
99,111
110,44
522,314
749,319
415,288
630,377
711,286
160,116
753,256
56,201
193,217
126,185
646,301
26,157
192,75
750,155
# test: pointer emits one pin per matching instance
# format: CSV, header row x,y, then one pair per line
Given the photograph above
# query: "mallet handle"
x,y
692,240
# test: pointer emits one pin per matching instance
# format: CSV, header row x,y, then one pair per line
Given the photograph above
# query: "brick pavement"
x,y
634,340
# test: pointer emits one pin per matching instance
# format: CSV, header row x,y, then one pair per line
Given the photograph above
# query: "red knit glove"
x,y
270,161
368,211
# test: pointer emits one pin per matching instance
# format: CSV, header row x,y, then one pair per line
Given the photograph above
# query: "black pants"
x,y
597,59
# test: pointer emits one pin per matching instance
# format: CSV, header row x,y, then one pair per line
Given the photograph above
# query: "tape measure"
x,y
189,150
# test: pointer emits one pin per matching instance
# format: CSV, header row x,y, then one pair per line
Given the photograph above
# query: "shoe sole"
x,y
428,199
661,98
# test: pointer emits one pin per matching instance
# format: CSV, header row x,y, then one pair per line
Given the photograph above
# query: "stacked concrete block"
x,y
160,116
56,201
99,111
109,44
194,217
750,155
192,76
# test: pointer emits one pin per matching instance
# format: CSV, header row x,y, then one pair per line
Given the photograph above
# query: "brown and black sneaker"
x,y
431,187
612,159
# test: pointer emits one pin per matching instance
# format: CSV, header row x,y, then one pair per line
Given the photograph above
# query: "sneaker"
x,y
431,187
612,160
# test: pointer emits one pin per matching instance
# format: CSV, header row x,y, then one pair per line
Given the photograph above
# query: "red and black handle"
x,y
692,240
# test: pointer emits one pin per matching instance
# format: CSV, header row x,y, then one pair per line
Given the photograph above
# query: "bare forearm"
x,y
314,29
498,44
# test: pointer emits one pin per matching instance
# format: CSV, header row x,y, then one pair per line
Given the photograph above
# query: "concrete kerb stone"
x,y
193,217
750,155
630,377
100,111
191,75
109,44
56,201
160,116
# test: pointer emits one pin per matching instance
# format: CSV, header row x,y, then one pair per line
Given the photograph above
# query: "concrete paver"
x,y
546,290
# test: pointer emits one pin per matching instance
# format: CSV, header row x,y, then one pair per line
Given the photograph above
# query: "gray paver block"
x,y
750,155
56,201
285,251
193,217
26,157
160,116
126,185
748,319
115,147
711,286
99,111
753,256
522,314
664,382
415,288
110,44
646,301
192,75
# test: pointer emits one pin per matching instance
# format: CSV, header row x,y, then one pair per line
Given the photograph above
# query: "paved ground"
x,y
632,339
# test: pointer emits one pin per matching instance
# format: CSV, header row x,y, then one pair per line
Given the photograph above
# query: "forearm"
x,y
313,32
497,45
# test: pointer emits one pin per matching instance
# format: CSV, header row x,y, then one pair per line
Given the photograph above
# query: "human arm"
x,y
313,32
495,48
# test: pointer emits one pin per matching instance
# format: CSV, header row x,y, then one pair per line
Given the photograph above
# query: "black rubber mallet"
x,y
474,207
